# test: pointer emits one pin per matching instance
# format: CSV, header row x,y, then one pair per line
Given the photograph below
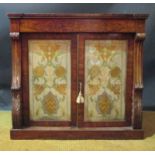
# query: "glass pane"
x,y
105,72
49,79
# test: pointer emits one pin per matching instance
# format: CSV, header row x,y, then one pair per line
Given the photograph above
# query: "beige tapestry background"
x,y
49,76
105,68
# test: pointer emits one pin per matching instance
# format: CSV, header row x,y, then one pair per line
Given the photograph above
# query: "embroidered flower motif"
x,y
49,50
99,46
104,51
94,71
106,56
38,88
104,104
93,89
38,71
115,72
49,55
60,71
50,104
61,88
115,88
105,75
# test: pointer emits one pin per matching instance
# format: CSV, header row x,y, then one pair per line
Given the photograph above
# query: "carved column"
x,y
16,81
138,80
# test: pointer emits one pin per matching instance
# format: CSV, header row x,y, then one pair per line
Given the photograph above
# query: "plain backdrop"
x,y
5,49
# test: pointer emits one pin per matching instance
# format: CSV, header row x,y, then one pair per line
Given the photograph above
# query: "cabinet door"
x,y
107,78
49,75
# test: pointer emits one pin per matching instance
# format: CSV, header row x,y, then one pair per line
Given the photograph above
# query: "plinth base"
x,y
77,133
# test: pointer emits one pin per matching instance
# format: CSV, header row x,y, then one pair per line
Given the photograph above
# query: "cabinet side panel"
x,y
138,80
16,74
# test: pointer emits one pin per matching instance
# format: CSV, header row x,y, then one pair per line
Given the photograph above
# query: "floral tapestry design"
x,y
105,72
49,79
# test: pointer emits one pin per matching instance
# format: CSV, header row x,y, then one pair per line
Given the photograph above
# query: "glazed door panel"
x,y
104,76
105,72
50,79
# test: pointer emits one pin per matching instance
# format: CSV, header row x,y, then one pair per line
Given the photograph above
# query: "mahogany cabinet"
x,y
77,76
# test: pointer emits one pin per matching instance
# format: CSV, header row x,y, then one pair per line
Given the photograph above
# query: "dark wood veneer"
x,y
77,28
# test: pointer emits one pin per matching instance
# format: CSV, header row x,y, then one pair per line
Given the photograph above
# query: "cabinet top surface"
x,y
78,15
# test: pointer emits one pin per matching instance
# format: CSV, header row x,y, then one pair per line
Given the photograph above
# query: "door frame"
x,y
25,78
129,77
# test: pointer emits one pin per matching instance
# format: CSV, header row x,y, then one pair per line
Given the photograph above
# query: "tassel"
x,y
80,98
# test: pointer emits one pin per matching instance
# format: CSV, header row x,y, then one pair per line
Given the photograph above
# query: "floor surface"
x,y
146,144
